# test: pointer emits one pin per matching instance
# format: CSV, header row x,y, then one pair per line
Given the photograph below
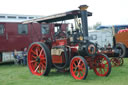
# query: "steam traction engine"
x,y
67,49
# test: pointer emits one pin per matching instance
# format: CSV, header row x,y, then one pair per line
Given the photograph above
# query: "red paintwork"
x,y
117,61
58,59
11,40
15,40
74,49
59,42
90,62
78,68
35,67
123,30
101,68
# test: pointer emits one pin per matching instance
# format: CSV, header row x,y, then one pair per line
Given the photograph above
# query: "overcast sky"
x,y
108,12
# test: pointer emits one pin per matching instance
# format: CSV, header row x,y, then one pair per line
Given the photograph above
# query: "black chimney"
x,y
84,14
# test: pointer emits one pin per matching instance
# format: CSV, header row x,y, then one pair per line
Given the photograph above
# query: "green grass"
x,y
20,75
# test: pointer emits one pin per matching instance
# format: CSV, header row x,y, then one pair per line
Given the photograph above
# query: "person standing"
x,y
16,57
25,56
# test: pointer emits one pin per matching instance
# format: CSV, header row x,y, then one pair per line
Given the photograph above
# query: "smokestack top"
x,y
83,7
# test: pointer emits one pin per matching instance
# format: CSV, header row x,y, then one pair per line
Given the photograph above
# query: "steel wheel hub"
x,y
38,59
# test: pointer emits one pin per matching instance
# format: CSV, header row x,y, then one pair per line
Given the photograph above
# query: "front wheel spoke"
x,y
79,62
74,64
74,67
78,74
82,65
74,71
100,70
83,71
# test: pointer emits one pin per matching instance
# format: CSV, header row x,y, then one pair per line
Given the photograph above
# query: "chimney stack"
x,y
84,14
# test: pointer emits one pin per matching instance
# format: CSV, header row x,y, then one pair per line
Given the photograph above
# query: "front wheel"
x,y
102,65
78,68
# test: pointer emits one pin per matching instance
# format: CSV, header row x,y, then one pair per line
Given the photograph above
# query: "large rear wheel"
x,y
39,59
102,65
78,68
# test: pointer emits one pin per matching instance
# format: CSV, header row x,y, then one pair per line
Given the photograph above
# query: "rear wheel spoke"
x,y
43,66
42,58
37,68
35,65
37,52
34,52
34,57
40,52
33,61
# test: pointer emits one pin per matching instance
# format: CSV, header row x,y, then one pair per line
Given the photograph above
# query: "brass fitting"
x,y
83,7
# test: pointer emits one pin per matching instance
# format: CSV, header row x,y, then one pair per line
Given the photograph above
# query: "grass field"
x,y
20,75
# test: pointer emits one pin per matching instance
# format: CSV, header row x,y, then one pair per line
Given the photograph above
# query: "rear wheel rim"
x,y
121,61
102,66
37,60
78,68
